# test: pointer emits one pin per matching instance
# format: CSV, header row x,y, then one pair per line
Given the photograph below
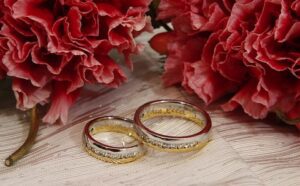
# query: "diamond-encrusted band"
x,y
106,152
176,109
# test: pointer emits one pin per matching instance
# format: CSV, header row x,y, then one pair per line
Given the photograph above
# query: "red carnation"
x,y
50,49
249,49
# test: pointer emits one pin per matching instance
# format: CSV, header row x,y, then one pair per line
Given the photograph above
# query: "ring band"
x,y
173,108
106,152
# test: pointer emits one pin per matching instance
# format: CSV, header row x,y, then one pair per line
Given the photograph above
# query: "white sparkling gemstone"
x,y
172,146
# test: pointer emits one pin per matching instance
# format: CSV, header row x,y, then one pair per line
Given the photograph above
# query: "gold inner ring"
x,y
173,113
184,113
114,128
93,130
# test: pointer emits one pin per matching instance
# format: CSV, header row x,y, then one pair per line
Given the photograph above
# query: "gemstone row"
x,y
110,155
170,146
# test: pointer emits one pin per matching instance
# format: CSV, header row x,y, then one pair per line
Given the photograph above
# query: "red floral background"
x,y
249,49
51,48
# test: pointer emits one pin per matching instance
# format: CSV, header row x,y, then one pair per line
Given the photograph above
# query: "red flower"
x,y
271,53
249,49
52,48
160,42
192,16
3,45
3,49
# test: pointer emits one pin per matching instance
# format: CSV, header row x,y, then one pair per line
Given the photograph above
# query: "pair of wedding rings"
x,y
139,130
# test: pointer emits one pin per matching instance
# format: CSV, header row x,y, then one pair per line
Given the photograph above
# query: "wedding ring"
x,y
112,153
173,109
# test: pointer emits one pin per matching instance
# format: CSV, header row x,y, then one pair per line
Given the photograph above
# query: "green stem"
x,y
153,14
284,118
24,149
166,27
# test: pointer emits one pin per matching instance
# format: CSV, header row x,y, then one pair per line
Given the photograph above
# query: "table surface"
x,y
243,151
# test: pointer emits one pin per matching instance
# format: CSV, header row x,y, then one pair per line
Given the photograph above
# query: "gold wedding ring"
x,y
175,109
141,132
107,152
